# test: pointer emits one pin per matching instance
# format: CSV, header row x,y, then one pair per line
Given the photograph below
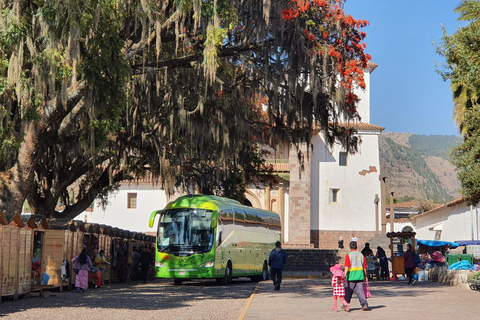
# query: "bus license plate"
x,y
181,273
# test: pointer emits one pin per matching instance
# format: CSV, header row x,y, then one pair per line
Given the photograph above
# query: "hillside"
x,y
416,166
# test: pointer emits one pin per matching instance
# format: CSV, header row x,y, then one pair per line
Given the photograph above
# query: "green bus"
x,y
210,237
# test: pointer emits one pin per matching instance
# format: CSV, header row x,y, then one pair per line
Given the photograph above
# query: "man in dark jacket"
x,y
276,261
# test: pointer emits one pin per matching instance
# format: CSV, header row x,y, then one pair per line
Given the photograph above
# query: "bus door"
x,y
240,240
225,245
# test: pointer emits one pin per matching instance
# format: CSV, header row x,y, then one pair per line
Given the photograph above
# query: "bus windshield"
x,y
184,232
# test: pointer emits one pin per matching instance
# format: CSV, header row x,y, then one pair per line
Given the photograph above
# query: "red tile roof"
x,y
441,207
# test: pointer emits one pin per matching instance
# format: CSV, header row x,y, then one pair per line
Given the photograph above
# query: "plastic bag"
x,y
45,278
366,289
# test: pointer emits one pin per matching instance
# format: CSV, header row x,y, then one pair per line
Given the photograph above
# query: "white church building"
x,y
334,196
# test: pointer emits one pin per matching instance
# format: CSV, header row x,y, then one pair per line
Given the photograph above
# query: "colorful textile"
x,y
81,280
438,257
338,286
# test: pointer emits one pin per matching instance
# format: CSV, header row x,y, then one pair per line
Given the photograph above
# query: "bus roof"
x,y
201,201
212,203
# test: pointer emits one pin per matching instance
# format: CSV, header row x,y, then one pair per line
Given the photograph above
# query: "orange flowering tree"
x,y
93,92
329,54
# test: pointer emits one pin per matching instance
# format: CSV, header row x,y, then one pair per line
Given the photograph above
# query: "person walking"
x,y
409,264
338,284
355,271
276,261
82,263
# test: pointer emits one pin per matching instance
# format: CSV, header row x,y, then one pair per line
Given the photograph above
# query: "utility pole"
x,y
376,201
392,213
383,200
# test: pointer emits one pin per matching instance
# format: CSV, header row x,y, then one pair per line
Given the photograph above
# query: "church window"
x,y
334,195
342,159
131,200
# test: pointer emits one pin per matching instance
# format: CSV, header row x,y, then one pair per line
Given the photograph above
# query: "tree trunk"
x,y
18,181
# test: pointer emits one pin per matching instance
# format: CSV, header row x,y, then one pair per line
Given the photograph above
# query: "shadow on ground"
x,y
156,295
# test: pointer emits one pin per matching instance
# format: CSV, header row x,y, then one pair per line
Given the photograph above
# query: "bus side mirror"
x,y
152,218
214,223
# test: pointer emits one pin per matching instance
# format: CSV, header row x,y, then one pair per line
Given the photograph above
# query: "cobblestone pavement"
x,y
159,299
312,299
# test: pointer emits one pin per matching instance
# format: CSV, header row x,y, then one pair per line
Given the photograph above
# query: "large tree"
x,y
462,69
93,92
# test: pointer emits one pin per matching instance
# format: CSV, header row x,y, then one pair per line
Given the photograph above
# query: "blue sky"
x,y
407,95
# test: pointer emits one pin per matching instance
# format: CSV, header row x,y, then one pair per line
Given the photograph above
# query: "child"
x,y
338,280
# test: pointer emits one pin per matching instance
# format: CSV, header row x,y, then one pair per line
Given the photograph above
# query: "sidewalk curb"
x,y
244,312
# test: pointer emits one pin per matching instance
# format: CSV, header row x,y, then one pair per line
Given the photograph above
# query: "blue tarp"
x,y
462,265
468,242
432,243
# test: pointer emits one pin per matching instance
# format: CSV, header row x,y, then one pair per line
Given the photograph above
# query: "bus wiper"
x,y
171,248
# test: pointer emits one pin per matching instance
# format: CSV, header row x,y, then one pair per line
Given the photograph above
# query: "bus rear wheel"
x,y
227,278
177,282
263,276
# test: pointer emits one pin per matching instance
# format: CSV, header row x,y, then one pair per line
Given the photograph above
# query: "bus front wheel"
x,y
177,282
227,278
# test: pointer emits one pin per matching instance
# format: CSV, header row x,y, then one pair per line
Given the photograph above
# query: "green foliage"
x,y
462,69
108,90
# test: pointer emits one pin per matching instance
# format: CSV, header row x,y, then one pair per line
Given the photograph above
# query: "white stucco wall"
x,y
355,209
457,223
398,226
363,107
116,214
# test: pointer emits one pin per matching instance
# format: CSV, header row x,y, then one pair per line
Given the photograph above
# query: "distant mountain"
x,y
416,166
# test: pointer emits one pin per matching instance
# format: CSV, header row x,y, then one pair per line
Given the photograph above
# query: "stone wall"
x,y
328,239
311,259
299,203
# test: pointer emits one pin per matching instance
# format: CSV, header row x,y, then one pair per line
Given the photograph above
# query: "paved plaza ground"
x,y
311,298
299,298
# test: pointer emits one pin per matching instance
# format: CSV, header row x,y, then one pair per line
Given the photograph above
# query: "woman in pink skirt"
x,y
82,263
338,284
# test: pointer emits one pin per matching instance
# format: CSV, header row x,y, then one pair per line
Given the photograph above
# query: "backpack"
x,y
416,258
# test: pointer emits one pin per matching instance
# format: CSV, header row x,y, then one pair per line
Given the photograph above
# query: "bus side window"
x,y
219,238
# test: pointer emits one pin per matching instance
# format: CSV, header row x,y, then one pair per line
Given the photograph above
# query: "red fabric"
x,y
97,278
438,257
338,286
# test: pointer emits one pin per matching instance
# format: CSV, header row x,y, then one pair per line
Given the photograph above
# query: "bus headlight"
x,y
159,264
208,264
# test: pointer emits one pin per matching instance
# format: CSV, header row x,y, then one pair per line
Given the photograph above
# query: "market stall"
x,y
433,261
398,242
471,251
16,257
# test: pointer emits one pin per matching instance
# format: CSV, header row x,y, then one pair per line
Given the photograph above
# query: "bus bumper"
x,y
169,273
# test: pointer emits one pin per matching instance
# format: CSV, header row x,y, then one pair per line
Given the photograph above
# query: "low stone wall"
x,y
311,259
